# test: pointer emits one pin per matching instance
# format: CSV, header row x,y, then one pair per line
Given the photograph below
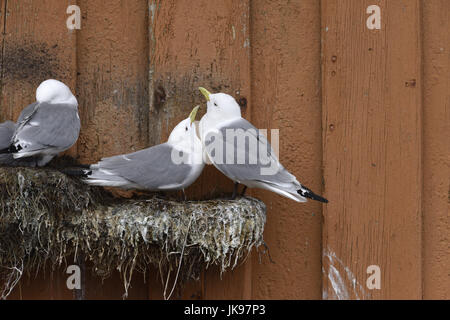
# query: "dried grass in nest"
x,y
47,217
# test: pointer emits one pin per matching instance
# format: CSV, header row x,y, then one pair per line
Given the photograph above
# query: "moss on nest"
x,y
47,217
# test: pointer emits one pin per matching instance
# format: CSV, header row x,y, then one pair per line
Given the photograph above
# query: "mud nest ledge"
x,y
47,217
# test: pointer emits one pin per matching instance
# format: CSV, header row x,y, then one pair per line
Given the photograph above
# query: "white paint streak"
x,y
152,9
343,285
337,283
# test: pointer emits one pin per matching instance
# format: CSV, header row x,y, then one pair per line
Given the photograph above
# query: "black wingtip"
x,y
11,149
77,172
305,192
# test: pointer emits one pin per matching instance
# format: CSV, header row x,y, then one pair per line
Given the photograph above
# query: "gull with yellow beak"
x,y
242,153
173,165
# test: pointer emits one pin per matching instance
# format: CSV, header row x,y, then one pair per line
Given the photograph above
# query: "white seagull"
x,y
242,153
173,165
46,127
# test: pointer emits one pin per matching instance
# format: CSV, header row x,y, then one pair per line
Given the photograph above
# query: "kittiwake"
x,y
48,126
173,165
242,153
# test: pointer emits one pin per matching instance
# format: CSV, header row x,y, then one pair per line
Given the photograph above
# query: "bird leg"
x,y
181,195
243,191
236,184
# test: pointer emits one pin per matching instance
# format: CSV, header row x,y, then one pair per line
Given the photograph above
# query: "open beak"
x,y
204,92
193,114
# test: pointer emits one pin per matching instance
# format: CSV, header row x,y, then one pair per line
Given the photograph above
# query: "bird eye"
x,y
186,128
215,104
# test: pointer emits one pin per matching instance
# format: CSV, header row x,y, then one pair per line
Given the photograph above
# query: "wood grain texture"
x,y
436,161
285,42
201,43
192,44
50,284
112,83
369,108
372,113
36,45
112,86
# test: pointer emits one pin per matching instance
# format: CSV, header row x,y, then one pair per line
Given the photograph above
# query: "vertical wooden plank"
x,y
112,50
112,85
192,44
436,254
36,45
285,44
372,149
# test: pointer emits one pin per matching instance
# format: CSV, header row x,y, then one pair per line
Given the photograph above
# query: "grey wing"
x,y
26,113
246,154
151,168
6,132
47,125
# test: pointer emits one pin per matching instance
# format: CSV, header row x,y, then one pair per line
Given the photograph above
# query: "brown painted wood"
x,y
436,111
112,51
36,45
372,113
285,42
196,44
111,57
50,284
369,107
46,285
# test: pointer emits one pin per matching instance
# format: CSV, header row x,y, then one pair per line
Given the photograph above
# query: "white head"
x,y
185,132
221,105
54,91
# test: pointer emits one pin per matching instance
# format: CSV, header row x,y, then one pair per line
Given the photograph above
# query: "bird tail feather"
x,y
77,172
285,192
5,150
106,178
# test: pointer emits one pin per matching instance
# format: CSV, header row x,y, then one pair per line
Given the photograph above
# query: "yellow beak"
x,y
204,92
193,114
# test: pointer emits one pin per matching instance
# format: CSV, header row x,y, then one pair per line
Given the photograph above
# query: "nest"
x,y
47,217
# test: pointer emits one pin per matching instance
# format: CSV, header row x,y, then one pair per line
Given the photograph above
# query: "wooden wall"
x,y
363,118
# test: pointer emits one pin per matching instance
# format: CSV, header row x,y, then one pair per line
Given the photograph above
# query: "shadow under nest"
x,y
47,217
